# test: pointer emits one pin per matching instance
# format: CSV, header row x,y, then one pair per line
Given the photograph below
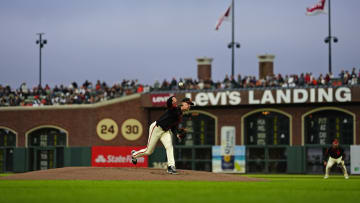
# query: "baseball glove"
x,y
181,134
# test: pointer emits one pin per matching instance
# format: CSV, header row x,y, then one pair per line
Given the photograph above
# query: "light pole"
x,y
41,42
330,38
233,44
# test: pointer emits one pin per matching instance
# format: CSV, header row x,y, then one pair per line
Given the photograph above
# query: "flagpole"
x,y
232,39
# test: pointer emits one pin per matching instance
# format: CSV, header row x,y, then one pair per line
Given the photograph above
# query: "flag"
x,y
226,16
317,9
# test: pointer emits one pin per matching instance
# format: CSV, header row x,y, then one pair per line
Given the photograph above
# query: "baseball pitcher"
x,y
163,128
335,154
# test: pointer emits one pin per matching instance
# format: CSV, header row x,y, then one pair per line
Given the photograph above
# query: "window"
x,y
200,129
267,128
323,126
7,144
7,138
45,137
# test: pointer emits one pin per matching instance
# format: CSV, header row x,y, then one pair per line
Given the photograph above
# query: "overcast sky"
x,y
110,40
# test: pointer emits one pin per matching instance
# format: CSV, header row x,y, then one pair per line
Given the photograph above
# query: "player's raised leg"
x,y
155,133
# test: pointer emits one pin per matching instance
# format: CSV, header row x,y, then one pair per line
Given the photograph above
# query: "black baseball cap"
x,y
187,100
169,102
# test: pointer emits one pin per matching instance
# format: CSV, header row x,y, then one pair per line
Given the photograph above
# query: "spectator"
x,y
156,85
173,84
353,77
88,94
165,85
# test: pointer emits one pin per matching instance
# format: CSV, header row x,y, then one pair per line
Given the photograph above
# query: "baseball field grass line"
x,y
5,174
294,176
281,189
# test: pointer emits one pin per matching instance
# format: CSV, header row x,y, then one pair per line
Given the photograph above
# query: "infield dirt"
x,y
99,173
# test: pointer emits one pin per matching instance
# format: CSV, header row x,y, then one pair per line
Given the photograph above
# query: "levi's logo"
x,y
160,99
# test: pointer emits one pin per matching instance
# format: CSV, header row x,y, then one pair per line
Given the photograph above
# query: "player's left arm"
x,y
181,134
174,130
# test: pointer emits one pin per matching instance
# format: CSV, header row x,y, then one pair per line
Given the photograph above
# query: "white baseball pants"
x,y
156,133
331,162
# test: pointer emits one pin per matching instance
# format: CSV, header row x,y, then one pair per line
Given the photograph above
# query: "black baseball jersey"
x,y
170,119
334,153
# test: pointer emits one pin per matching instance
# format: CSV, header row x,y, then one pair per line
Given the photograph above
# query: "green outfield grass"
x,y
278,188
5,174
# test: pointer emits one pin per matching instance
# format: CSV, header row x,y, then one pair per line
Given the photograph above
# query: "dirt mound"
x,y
98,173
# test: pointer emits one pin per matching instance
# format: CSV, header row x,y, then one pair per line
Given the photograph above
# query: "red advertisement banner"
x,y
111,156
159,99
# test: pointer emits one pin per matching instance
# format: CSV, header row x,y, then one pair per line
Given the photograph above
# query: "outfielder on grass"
x,y
163,129
335,154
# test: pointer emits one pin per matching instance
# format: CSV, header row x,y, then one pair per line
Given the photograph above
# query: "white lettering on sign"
x,y
312,95
159,99
251,98
216,98
279,96
234,98
300,95
224,98
282,97
343,94
267,97
116,159
202,99
325,95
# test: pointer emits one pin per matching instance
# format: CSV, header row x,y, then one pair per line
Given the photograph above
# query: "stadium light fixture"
x,y
232,46
41,42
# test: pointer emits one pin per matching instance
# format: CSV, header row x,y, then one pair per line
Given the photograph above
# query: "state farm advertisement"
x,y
110,156
160,99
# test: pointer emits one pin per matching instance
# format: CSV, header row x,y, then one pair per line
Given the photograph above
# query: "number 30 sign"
x,y
131,129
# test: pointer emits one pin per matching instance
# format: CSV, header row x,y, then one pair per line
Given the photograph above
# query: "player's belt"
x,y
160,127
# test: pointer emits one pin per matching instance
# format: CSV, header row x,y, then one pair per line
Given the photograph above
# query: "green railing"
x,y
266,159
197,157
6,159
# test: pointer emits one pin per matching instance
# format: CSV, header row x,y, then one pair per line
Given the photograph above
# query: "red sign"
x,y
108,156
160,99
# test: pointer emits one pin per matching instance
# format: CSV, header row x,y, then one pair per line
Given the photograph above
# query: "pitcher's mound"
x,y
98,173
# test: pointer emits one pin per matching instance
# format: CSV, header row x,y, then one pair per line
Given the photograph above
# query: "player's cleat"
x,y
133,159
172,170
326,177
346,177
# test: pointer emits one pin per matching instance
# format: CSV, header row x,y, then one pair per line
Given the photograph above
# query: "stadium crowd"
x,y
88,93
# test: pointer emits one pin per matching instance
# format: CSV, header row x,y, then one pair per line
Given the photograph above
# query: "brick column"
x,y
266,65
204,68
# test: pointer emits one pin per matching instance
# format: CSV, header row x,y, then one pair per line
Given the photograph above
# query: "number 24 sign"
x,y
107,129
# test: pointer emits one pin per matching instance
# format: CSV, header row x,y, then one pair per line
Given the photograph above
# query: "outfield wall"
x,y
294,161
265,121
